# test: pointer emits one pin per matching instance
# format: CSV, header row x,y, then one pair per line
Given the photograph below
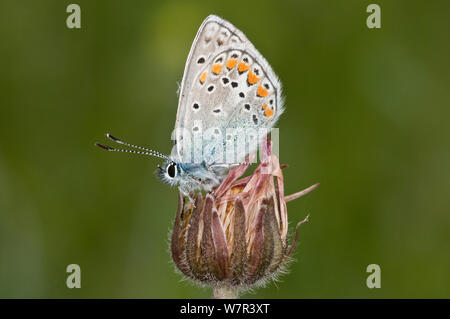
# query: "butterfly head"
x,y
170,173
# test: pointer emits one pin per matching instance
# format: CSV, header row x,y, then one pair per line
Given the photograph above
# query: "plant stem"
x,y
225,292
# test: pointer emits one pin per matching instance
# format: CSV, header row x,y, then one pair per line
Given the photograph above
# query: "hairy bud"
x,y
235,236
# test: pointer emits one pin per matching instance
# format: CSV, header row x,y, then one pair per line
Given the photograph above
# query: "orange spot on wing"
x,y
264,106
268,113
242,67
262,92
216,68
252,78
231,63
203,77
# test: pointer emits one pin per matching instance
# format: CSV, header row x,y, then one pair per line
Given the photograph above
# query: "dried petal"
x,y
239,250
193,258
294,241
220,246
207,243
278,247
233,175
256,251
301,193
179,238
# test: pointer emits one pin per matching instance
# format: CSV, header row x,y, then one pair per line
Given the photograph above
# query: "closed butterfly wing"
x,y
228,87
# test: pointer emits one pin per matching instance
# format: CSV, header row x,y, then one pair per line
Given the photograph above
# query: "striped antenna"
x,y
144,151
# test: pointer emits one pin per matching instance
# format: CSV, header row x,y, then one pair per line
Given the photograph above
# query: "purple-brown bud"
x,y
236,235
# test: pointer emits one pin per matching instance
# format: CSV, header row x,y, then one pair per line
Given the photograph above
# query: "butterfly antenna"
x,y
111,149
145,151
119,141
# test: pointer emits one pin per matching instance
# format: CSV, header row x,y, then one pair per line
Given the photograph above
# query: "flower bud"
x,y
236,235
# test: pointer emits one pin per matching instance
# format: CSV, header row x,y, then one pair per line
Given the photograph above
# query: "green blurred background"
x,y
367,116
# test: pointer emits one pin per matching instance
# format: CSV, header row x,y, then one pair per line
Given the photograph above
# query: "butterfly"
x,y
228,94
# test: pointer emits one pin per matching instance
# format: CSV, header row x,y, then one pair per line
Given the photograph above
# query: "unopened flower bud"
x,y
234,238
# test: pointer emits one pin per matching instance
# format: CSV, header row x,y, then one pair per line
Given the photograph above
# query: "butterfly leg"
x,y
186,193
191,200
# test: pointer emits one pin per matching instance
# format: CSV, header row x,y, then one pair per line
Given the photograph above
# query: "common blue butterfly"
x,y
228,91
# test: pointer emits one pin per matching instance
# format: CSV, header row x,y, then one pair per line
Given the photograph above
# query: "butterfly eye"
x,y
172,170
